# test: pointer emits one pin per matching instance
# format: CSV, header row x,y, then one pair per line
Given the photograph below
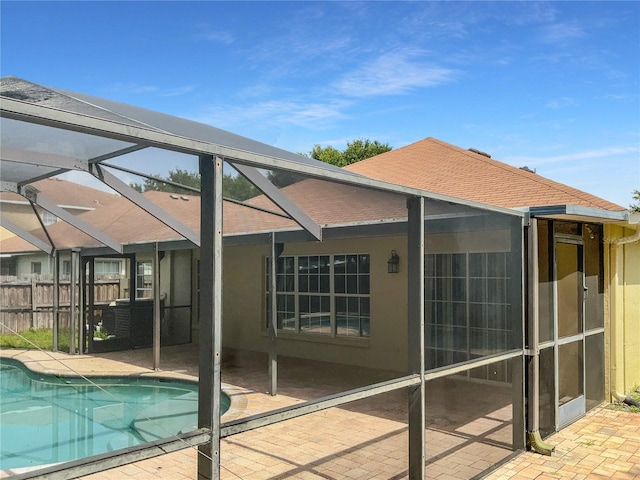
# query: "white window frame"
x,y
333,330
147,279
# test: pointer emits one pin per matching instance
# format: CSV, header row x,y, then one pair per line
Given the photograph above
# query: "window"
x,y
144,280
36,268
323,294
107,267
66,267
467,306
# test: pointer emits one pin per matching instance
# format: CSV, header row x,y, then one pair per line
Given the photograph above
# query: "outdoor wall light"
x,y
393,263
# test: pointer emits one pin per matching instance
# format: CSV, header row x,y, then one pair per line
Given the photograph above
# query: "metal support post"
x,y
210,314
415,330
56,300
515,269
82,305
276,251
91,297
156,308
72,301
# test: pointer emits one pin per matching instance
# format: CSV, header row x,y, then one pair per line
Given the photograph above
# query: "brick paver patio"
x,y
365,439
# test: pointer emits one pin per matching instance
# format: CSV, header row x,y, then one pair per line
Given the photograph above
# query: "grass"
x,y
635,394
41,338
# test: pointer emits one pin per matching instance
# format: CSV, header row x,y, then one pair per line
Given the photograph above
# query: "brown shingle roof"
x,y
63,192
439,167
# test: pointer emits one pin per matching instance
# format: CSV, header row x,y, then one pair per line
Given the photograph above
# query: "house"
x,y
19,211
499,290
585,275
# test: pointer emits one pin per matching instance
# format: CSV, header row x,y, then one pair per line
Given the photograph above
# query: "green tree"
x,y
238,187
356,150
183,177
360,149
635,207
233,186
328,154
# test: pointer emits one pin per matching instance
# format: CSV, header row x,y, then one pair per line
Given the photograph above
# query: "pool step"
x,y
173,416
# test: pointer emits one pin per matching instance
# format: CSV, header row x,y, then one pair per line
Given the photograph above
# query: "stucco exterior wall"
x,y
23,263
623,349
244,298
244,305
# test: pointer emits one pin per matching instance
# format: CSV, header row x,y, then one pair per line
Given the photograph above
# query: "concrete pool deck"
x,y
364,440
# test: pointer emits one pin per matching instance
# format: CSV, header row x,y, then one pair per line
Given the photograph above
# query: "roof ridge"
x,y
518,171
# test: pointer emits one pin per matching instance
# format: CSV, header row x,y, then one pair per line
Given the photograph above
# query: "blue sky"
x,y
551,85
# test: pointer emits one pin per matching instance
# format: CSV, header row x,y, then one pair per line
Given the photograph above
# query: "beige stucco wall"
x,y
622,311
243,313
244,307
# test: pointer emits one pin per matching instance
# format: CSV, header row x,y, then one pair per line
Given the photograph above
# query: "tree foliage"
x,y
635,206
239,188
233,186
356,150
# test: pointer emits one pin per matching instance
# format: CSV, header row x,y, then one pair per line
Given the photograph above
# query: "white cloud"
x,y
574,156
226,38
275,112
393,73
562,102
561,32
135,89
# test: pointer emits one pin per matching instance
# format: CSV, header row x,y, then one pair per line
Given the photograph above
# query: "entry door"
x,y
570,294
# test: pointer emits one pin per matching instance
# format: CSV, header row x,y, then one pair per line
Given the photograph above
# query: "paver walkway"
x,y
367,439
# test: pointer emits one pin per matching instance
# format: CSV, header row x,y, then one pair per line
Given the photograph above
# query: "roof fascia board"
x,y
23,111
132,248
142,202
596,213
25,235
39,199
280,199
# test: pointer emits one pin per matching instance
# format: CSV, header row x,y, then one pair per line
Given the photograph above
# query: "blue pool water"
x,y
48,419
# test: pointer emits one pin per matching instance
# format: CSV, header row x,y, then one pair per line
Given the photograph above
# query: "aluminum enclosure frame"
x,y
212,156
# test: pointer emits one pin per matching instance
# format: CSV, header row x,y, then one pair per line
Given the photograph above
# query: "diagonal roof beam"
x,y
101,158
141,201
41,159
38,198
25,235
276,196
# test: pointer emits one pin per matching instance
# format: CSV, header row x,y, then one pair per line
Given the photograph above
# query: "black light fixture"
x,y
393,263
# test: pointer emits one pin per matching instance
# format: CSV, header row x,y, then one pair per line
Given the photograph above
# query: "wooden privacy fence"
x,y
27,302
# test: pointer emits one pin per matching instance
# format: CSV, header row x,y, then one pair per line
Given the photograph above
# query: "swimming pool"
x,y
48,419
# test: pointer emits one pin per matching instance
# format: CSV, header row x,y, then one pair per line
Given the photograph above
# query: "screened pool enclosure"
x,y
321,269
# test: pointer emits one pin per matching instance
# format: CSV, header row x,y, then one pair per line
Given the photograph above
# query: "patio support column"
x,y
82,304
72,301
210,314
56,300
91,297
276,251
156,307
516,272
415,334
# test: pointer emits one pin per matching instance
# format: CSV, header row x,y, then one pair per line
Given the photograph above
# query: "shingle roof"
x,y
127,223
68,194
439,167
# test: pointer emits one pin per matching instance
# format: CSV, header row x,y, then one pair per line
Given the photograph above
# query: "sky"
x,y
554,86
